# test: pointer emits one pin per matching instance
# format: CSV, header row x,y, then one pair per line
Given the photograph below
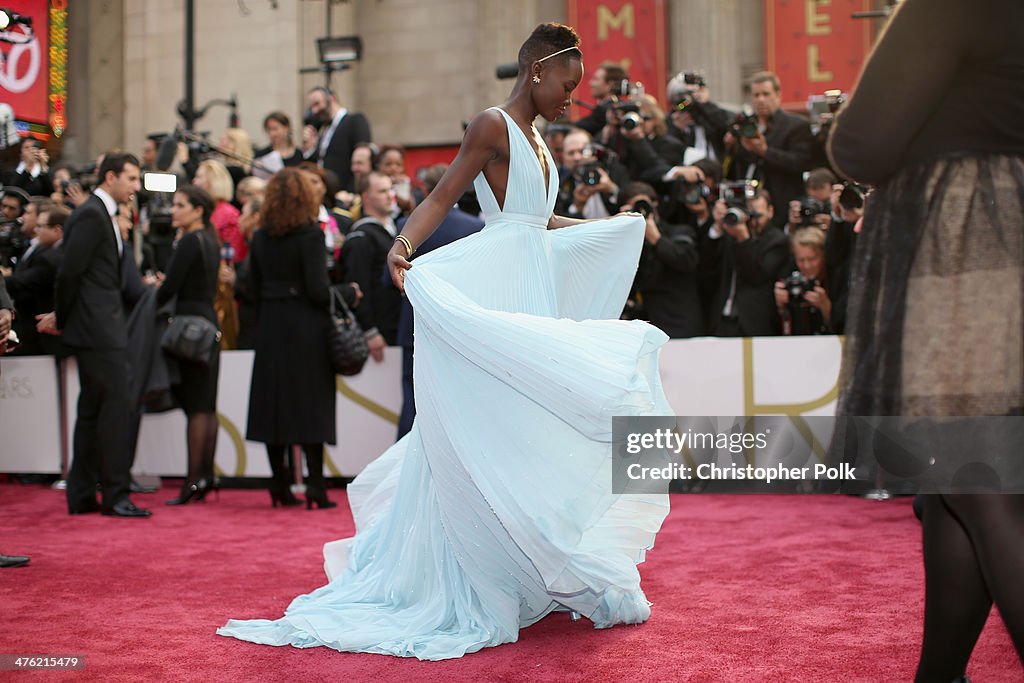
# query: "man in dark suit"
x,y
32,282
605,86
780,152
751,254
665,288
32,173
90,315
456,225
364,259
341,131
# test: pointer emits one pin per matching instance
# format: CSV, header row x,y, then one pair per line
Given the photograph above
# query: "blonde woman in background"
x,y
238,142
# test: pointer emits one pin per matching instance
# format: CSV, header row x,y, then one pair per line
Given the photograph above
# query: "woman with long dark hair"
x,y
291,400
192,277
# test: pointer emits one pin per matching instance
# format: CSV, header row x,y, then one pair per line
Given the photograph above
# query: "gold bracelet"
x,y
406,243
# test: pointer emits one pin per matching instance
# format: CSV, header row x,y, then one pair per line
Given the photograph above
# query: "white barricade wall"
x,y
30,424
709,376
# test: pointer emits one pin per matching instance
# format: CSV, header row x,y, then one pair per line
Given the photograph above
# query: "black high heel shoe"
x,y
319,498
192,491
283,496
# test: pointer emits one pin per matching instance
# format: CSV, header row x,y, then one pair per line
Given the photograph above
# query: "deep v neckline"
x,y
545,176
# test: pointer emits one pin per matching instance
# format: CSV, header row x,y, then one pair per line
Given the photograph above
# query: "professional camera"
x,y
809,209
797,285
682,100
626,103
595,158
852,196
736,194
12,240
745,126
643,207
683,192
823,108
84,177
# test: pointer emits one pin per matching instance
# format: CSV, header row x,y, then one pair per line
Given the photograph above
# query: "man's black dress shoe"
x,y
136,487
84,509
126,508
13,560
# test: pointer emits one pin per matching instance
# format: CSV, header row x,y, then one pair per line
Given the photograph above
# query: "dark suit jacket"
x,y
713,119
88,303
758,263
667,282
595,120
31,285
353,129
364,261
790,148
5,300
40,186
456,225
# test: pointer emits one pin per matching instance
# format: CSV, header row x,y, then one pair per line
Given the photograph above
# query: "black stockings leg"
x,y
972,555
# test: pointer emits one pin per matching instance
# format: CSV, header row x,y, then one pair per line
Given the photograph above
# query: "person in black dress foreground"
x,y
192,277
934,325
291,400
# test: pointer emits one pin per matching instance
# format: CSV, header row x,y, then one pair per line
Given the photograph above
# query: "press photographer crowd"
x,y
749,233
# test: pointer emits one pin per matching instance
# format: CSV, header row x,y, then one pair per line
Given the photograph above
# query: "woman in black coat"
x,y
291,400
192,277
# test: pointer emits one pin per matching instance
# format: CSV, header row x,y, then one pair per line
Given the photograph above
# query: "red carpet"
x,y
745,588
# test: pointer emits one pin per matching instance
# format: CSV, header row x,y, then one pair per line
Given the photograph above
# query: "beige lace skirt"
x,y
935,325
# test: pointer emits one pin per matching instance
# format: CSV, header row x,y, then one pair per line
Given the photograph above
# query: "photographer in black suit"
x,y
773,147
665,289
341,131
91,319
31,284
751,254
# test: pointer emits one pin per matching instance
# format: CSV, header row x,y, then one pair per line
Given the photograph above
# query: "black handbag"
x,y
346,340
191,337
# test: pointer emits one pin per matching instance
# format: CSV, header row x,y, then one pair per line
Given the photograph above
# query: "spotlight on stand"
x,y
337,52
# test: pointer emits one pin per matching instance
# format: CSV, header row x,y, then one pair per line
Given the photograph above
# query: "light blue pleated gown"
x,y
497,508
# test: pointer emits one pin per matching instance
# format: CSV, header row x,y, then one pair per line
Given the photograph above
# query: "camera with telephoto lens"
x,y
627,104
736,194
809,209
745,126
595,158
643,207
852,196
798,285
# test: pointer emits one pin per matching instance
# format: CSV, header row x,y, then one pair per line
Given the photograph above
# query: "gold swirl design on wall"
x,y
795,411
365,402
236,438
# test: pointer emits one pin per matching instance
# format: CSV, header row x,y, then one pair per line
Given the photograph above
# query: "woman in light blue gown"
x,y
497,508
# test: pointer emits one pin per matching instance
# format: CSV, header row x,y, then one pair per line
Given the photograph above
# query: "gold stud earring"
x,y
536,78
